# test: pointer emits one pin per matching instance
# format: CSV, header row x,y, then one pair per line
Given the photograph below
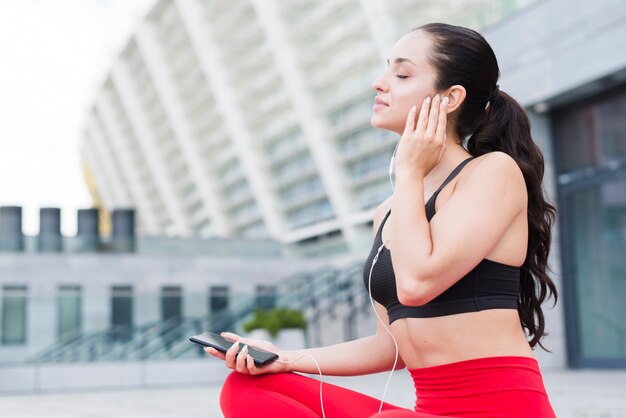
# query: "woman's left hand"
x,y
423,142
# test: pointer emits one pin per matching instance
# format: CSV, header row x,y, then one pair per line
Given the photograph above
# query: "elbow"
x,y
413,293
400,365
411,299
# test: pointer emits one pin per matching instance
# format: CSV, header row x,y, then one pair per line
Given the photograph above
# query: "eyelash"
x,y
402,76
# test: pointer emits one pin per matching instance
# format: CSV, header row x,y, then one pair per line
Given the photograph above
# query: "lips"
x,y
381,102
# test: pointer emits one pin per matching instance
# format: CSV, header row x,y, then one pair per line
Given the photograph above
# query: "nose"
x,y
379,84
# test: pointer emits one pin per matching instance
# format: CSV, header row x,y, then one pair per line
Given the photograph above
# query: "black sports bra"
x,y
490,285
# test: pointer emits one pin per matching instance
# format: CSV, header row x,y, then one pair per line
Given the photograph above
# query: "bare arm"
x,y
428,258
372,354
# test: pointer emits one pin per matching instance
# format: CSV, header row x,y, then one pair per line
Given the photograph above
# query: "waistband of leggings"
x,y
503,361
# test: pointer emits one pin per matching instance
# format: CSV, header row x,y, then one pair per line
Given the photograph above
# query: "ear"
x,y
456,95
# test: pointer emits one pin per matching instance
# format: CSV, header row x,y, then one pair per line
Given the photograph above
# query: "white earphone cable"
x,y
395,343
392,167
320,372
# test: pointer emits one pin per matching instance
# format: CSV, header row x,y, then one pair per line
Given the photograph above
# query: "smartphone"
x,y
209,339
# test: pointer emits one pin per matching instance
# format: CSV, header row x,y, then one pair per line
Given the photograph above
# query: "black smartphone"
x,y
209,339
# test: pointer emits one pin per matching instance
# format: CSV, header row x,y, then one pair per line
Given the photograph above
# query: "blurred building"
x,y
251,118
121,308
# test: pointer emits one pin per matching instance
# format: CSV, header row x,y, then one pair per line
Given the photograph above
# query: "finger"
x,y
243,340
231,354
252,368
410,121
423,117
241,360
230,336
212,351
433,114
440,133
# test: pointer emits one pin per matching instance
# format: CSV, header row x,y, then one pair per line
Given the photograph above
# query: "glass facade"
x,y
590,142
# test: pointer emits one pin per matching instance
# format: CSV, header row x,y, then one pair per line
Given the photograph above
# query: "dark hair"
x,y
496,122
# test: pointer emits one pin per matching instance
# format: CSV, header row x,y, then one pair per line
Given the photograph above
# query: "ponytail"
x,y
506,128
494,121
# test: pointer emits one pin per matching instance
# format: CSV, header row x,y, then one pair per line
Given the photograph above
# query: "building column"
x,y
318,135
147,143
213,69
381,25
166,91
112,131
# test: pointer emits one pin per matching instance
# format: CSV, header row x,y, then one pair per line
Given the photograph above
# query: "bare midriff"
x,y
426,342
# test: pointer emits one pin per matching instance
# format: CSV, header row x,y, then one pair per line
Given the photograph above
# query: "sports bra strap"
x,y
430,205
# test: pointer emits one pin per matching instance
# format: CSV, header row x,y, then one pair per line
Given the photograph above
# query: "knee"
x,y
235,385
236,382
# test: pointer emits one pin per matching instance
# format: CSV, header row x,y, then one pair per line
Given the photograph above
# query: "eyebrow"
x,y
401,60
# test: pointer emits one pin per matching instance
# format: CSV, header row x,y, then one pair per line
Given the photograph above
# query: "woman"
x,y
457,279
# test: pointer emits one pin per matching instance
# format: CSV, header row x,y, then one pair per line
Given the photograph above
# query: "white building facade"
x,y
250,118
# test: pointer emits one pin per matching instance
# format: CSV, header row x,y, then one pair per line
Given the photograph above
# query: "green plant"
x,y
274,320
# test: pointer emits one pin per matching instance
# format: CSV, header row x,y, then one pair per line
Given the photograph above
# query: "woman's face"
x,y
407,81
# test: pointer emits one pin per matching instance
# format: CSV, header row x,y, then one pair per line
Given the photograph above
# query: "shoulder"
x,y
497,167
494,173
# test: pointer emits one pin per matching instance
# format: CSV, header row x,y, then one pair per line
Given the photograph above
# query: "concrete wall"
x,y
551,50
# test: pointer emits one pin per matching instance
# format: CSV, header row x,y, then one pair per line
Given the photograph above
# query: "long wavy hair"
x,y
491,120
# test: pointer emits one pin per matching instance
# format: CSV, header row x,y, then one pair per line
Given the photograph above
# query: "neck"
x,y
453,155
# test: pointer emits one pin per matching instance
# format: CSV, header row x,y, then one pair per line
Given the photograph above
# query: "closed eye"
x,y
402,76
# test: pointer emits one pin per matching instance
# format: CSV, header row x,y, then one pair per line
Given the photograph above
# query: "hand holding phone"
x,y
208,339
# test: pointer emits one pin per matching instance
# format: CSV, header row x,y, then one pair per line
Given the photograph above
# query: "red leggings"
x,y
499,387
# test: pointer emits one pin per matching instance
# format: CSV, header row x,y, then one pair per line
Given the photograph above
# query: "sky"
x,y
54,56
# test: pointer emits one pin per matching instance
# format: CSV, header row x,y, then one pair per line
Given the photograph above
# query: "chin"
x,y
381,124
377,122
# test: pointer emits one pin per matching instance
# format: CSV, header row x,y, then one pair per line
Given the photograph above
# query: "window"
x,y
590,148
68,311
591,134
14,299
121,312
310,214
171,315
597,228
171,303
375,164
219,301
302,190
218,298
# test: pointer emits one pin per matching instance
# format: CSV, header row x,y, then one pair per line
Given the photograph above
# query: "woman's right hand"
x,y
243,362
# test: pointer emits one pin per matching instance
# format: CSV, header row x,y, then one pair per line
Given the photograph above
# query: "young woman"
x,y
461,250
